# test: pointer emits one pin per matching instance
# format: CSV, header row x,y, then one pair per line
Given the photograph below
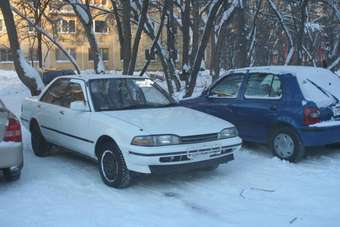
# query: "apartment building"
x,y
64,25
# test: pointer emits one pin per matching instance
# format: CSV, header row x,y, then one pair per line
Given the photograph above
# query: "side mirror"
x,y
79,106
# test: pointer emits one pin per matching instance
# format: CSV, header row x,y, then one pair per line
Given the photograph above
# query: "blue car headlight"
x,y
228,133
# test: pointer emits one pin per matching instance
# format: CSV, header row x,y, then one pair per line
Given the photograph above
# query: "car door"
x,y
75,125
223,97
50,109
259,106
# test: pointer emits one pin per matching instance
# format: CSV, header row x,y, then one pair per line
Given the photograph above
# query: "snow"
x,y
66,190
100,66
323,124
30,71
80,10
313,27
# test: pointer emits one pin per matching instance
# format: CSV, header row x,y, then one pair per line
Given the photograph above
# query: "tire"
x,y
112,166
11,176
40,146
286,144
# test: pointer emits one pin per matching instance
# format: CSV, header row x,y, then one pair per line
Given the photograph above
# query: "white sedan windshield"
x,y
119,94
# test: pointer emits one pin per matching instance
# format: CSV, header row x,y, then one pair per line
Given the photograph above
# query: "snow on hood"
x,y
173,120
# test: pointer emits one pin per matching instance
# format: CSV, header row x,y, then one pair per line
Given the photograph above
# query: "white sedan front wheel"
x,y
112,167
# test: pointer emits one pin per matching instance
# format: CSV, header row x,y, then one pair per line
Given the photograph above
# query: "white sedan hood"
x,y
180,121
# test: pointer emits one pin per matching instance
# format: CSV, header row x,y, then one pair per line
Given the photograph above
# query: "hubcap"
x,y
284,145
109,166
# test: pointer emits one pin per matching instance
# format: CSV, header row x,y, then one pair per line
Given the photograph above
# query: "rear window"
x,y
320,86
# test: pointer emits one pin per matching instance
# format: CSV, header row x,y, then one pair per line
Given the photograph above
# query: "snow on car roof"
x,y
298,71
103,76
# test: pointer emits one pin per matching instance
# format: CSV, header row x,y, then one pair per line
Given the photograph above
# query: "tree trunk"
x,y
196,26
29,76
84,14
186,41
301,31
204,42
241,38
126,27
171,42
141,23
119,27
38,34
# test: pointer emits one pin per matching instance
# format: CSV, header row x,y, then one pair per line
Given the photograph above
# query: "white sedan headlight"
x,y
228,133
156,140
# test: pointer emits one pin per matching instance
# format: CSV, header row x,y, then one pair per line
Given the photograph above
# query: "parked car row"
x,y
128,124
131,125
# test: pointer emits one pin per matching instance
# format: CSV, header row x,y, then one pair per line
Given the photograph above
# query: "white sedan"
x,y
128,124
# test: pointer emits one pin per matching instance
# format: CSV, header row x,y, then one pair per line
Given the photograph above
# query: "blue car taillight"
x,y
311,116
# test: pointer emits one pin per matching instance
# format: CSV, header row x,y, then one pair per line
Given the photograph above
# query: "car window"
x,y
54,94
263,86
228,87
73,93
63,92
117,94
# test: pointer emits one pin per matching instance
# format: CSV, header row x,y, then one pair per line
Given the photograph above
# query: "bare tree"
x,y
214,9
83,11
50,38
27,74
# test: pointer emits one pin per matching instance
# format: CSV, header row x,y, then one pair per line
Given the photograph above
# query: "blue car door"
x,y
222,98
259,106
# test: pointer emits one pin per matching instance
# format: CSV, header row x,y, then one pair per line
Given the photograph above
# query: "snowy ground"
x,y
254,190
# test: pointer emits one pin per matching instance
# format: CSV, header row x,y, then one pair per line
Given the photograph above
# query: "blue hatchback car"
x,y
286,107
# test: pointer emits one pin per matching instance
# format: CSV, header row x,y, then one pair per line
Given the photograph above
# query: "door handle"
x,y
61,112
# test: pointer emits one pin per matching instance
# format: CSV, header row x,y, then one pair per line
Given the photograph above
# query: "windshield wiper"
x,y
327,93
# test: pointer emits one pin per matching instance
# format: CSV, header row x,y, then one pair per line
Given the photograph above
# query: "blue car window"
x,y
228,87
261,86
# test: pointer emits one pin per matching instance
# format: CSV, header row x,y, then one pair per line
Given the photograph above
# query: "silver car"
x,y
11,156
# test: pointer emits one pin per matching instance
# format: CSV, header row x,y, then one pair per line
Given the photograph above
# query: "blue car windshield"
x,y
125,93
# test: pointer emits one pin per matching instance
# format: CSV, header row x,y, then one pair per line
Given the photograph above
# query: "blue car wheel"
x,y
287,145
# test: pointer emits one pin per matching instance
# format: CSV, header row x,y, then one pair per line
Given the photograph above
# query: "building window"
x,y
60,56
66,26
100,26
5,55
104,53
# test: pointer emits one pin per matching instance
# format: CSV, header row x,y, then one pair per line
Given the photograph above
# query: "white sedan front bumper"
x,y
165,159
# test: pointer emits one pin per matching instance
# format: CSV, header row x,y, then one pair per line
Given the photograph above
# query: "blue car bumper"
x,y
319,136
